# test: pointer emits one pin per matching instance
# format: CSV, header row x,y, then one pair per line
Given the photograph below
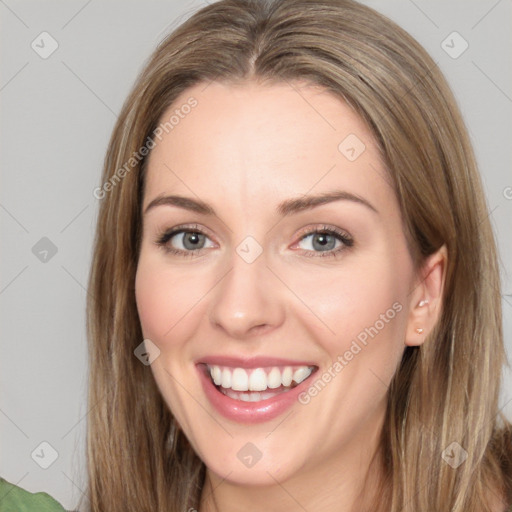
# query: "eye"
x,y
190,240
325,241
183,241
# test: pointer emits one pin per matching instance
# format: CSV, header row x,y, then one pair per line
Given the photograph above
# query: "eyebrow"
x,y
285,208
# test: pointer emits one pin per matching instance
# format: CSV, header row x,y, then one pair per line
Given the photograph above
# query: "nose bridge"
x,y
246,296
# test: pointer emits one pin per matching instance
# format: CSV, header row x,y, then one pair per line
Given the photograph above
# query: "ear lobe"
x,y
426,299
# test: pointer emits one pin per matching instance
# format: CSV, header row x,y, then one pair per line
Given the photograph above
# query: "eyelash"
x,y
347,241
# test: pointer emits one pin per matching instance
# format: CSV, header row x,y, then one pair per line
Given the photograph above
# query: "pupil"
x,y
191,240
322,239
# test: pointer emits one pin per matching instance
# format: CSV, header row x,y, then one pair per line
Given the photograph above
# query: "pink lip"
x,y
249,412
251,362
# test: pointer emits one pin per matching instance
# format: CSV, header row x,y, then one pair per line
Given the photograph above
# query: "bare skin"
x,y
243,150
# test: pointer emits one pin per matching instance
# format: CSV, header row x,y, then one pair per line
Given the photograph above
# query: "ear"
x,y
426,298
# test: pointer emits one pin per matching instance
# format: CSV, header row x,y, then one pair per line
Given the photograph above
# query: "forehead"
x,y
271,141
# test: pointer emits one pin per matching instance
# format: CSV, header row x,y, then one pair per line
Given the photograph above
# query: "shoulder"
x,y
16,499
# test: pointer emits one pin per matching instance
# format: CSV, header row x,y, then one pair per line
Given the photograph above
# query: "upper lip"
x,y
251,362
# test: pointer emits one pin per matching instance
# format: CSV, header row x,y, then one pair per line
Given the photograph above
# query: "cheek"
x,y
152,301
164,301
171,300
363,301
373,328
162,297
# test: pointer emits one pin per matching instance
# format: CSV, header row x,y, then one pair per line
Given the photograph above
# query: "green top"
x,y
16,499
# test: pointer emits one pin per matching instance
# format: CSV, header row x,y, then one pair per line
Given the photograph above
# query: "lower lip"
x,y
249,412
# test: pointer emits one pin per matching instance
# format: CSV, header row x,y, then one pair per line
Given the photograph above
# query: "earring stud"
x,y
419,330
422,303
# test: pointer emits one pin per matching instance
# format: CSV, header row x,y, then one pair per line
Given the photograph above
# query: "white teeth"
x,y
226,378
258,380
301,374
216,373
287,376
240,379
274,378
247,397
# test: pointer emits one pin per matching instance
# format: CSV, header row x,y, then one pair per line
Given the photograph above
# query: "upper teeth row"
x,y
239,379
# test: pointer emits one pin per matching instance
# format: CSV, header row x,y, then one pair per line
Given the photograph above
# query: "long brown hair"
x,y
445,391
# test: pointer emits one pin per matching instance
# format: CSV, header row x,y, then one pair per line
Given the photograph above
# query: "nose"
x,y
248,301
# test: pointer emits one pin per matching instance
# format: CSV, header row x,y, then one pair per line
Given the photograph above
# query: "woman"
x,y
295,300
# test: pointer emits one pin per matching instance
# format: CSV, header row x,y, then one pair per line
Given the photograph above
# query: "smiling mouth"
x,y
256,384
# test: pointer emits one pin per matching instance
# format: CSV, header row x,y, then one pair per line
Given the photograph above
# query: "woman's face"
x,y
261,284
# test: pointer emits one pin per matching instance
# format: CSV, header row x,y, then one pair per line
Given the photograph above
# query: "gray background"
x,y
57,116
